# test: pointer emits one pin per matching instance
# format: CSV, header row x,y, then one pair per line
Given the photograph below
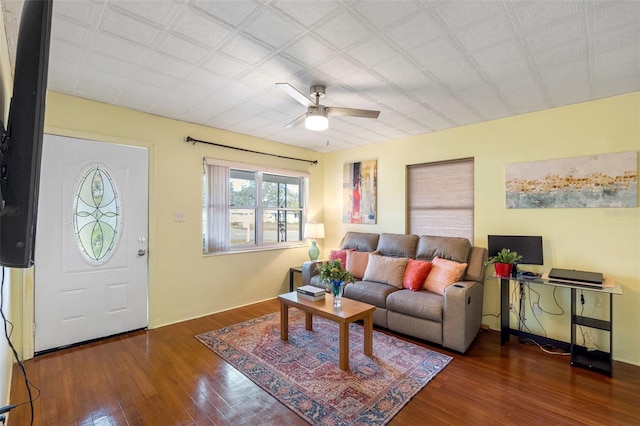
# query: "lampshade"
x,y
316,122
314,230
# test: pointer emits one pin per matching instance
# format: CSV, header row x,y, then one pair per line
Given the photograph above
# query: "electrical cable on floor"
x,y
8,330
486,327
545,350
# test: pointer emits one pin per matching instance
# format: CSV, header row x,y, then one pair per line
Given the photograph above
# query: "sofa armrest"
x,y
461,314
309,270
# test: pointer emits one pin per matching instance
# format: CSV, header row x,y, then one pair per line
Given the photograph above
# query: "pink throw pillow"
x,y
339,254
443,273
415,274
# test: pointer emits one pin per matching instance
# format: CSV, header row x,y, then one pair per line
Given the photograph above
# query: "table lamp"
x,y
313,231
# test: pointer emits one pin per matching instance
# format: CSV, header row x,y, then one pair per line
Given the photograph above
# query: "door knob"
x,y
142,252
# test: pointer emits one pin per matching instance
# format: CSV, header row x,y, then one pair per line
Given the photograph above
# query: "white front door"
x,y
91,273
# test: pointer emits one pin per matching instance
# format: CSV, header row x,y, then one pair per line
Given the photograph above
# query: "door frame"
x,y
28,313
28,275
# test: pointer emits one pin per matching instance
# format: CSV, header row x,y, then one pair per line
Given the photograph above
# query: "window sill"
x,y
257,249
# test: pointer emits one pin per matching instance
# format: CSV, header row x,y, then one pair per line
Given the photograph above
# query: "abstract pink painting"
x,y
360,191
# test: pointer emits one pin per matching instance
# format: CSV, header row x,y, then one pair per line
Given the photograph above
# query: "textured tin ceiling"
x,y
426,65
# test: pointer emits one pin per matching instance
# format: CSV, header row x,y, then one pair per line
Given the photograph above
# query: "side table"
x,y
292,272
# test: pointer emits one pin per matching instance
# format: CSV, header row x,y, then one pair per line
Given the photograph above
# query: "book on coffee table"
x,y
306,296
311,291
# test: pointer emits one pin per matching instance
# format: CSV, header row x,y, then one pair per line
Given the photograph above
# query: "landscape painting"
x,y
360,192
603,180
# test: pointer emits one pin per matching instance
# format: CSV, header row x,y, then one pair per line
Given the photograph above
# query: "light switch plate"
x,y
179,216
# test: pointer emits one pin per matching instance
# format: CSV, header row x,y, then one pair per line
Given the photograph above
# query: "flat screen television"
x,y
529,247
21,144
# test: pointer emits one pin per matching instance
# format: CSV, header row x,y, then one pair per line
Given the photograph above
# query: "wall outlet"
x,y
536,309
597,304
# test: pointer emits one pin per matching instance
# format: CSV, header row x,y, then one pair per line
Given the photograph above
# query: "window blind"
x,y
441,198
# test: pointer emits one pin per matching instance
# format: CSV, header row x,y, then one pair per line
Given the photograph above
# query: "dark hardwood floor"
x,y
166,377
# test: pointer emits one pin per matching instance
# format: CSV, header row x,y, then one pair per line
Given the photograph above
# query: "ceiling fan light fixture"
x,y
316,119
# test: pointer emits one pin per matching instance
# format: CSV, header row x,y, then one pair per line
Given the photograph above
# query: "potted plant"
x,y
503,262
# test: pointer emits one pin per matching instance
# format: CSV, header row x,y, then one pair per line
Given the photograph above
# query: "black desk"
x,y
596,360
292,271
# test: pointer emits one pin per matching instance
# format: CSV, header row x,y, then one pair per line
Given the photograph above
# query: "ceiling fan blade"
x,y
295,94
352,112
296,122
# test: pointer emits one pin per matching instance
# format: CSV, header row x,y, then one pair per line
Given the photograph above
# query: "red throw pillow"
x,y
339,254
415,274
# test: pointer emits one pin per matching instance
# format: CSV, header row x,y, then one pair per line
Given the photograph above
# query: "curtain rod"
x,y
190,139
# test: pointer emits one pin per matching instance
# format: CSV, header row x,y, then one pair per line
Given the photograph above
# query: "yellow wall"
x,y
596,239
183,283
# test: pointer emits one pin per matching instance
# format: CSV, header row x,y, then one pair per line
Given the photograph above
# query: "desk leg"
x,y
573,325
368,335
344,346
504,310
284,321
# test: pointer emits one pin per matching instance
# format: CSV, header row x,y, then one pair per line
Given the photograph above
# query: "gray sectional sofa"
x,y
446,313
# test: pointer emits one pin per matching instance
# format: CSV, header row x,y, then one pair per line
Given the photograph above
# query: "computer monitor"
x,y
527,246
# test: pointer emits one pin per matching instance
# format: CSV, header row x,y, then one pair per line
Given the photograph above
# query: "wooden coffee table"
x,y
348,312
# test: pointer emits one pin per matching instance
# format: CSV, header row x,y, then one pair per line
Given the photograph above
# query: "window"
x,y
441,198
250,207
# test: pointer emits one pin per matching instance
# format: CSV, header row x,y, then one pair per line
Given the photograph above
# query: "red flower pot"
x,y
503,269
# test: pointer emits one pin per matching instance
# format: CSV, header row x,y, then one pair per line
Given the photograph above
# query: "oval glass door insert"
x,y
96,215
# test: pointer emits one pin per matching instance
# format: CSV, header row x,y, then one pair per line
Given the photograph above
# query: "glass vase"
x,y
336,290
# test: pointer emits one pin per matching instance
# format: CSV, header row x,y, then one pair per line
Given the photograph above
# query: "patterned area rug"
x,y
303,372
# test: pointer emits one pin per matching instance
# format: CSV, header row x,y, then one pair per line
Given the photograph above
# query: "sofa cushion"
x,y
415,274
451,248
476,268
357,262
443,273
420,304
397,245
369,292
315,281
360,241
386,270
339,254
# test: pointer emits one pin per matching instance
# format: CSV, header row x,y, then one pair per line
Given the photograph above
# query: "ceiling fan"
x,y
316,117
